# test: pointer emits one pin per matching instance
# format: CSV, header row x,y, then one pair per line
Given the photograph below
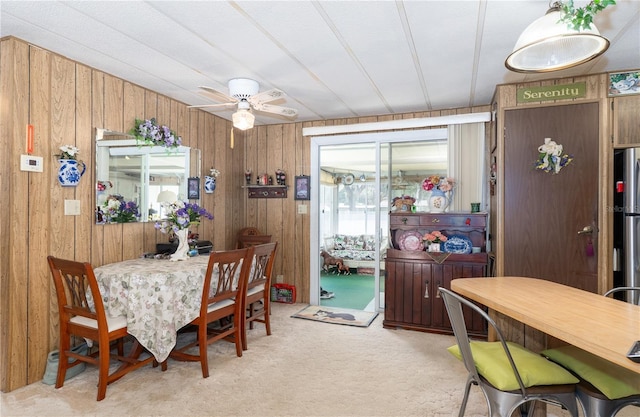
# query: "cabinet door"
x,y
626,129
407,294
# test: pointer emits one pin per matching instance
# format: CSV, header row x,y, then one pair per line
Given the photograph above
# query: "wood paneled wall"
x,y
66,101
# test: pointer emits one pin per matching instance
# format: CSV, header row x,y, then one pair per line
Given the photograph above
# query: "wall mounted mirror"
x,y
140,176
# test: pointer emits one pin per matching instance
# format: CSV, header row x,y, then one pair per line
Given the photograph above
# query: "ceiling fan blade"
x,y
217,95
215,106
284,111
266,96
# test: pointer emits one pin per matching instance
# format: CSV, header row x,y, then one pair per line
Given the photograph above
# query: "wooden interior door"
x,y
544,212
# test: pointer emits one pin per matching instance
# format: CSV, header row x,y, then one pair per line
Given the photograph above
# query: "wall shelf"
x,y
267,191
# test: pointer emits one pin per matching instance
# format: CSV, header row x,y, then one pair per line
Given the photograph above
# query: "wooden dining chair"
x,y
247,241
72,281
258,299
605,388
223,294
509,375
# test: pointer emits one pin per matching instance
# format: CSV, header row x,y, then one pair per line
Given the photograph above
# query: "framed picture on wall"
x,y
193,188
624,83
302,187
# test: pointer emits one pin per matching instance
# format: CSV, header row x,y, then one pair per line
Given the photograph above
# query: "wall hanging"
x,y
210,181
550,157
70,169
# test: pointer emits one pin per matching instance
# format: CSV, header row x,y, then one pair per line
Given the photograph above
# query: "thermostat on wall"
x,y
30,163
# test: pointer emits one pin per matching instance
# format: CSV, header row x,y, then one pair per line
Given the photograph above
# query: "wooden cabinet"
x,y
412,278
626,125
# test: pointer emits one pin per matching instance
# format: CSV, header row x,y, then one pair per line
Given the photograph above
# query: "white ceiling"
x,y
333,59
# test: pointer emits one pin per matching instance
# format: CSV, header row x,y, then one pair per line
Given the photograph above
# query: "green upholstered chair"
x,y
510,376
604,388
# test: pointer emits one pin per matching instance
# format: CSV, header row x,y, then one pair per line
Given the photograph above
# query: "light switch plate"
x,y
302,209
30,163
71,207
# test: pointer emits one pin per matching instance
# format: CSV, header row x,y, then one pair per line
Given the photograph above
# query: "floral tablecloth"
x,y
157,296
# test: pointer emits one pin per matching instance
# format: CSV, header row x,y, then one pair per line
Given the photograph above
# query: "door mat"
x,y
336,315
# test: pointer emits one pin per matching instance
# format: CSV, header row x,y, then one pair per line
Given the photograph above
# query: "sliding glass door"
x,y
356,179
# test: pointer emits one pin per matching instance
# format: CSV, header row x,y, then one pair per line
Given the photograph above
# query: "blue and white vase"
x,y
438,201
70,171
209,184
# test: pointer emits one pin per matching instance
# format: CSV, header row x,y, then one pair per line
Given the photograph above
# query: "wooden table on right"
x,y
601,325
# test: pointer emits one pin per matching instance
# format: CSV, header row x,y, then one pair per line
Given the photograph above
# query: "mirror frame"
x,y
109,139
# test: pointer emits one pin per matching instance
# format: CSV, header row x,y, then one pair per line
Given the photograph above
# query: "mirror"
x,y
132,179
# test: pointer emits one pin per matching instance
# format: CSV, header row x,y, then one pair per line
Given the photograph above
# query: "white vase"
x,y
438,201
182,253
70,171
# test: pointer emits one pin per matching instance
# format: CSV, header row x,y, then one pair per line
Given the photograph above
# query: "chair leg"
x,y
103,371
202,346
267,312
465,398
63,360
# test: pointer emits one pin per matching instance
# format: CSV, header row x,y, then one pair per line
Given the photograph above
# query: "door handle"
x,y
586,230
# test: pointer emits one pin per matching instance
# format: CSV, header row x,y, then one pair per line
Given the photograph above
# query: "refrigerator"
x,y
626,261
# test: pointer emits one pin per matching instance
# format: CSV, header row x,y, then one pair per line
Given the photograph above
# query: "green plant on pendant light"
x,y
582,17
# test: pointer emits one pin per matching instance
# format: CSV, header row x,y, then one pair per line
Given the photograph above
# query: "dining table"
x,y
157,296
603,326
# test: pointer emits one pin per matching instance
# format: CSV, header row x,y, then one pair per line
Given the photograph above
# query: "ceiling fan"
x,y
244,93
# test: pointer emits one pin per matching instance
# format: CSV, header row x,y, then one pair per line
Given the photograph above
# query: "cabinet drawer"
x,y
459,220
404,219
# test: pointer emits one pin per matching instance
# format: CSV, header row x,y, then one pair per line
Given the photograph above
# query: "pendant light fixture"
x,y
548,44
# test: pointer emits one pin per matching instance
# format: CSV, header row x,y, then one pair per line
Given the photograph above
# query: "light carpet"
x,y
336,315
302,369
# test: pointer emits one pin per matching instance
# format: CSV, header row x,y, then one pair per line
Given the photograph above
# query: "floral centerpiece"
x,y
438,182
433,240
550,157
180,216
148,132
117,210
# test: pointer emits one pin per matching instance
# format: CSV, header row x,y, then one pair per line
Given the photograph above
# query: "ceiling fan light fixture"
x,y
550,45
243,119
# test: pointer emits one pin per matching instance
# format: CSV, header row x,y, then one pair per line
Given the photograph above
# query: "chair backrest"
x,y
454,303
264,256
632,293
247,241
231,270
71,280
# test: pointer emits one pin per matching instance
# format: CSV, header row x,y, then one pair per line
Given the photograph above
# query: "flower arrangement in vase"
x,y
441,188
180,216
210,181
149,133
432,240
70,169
117,210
